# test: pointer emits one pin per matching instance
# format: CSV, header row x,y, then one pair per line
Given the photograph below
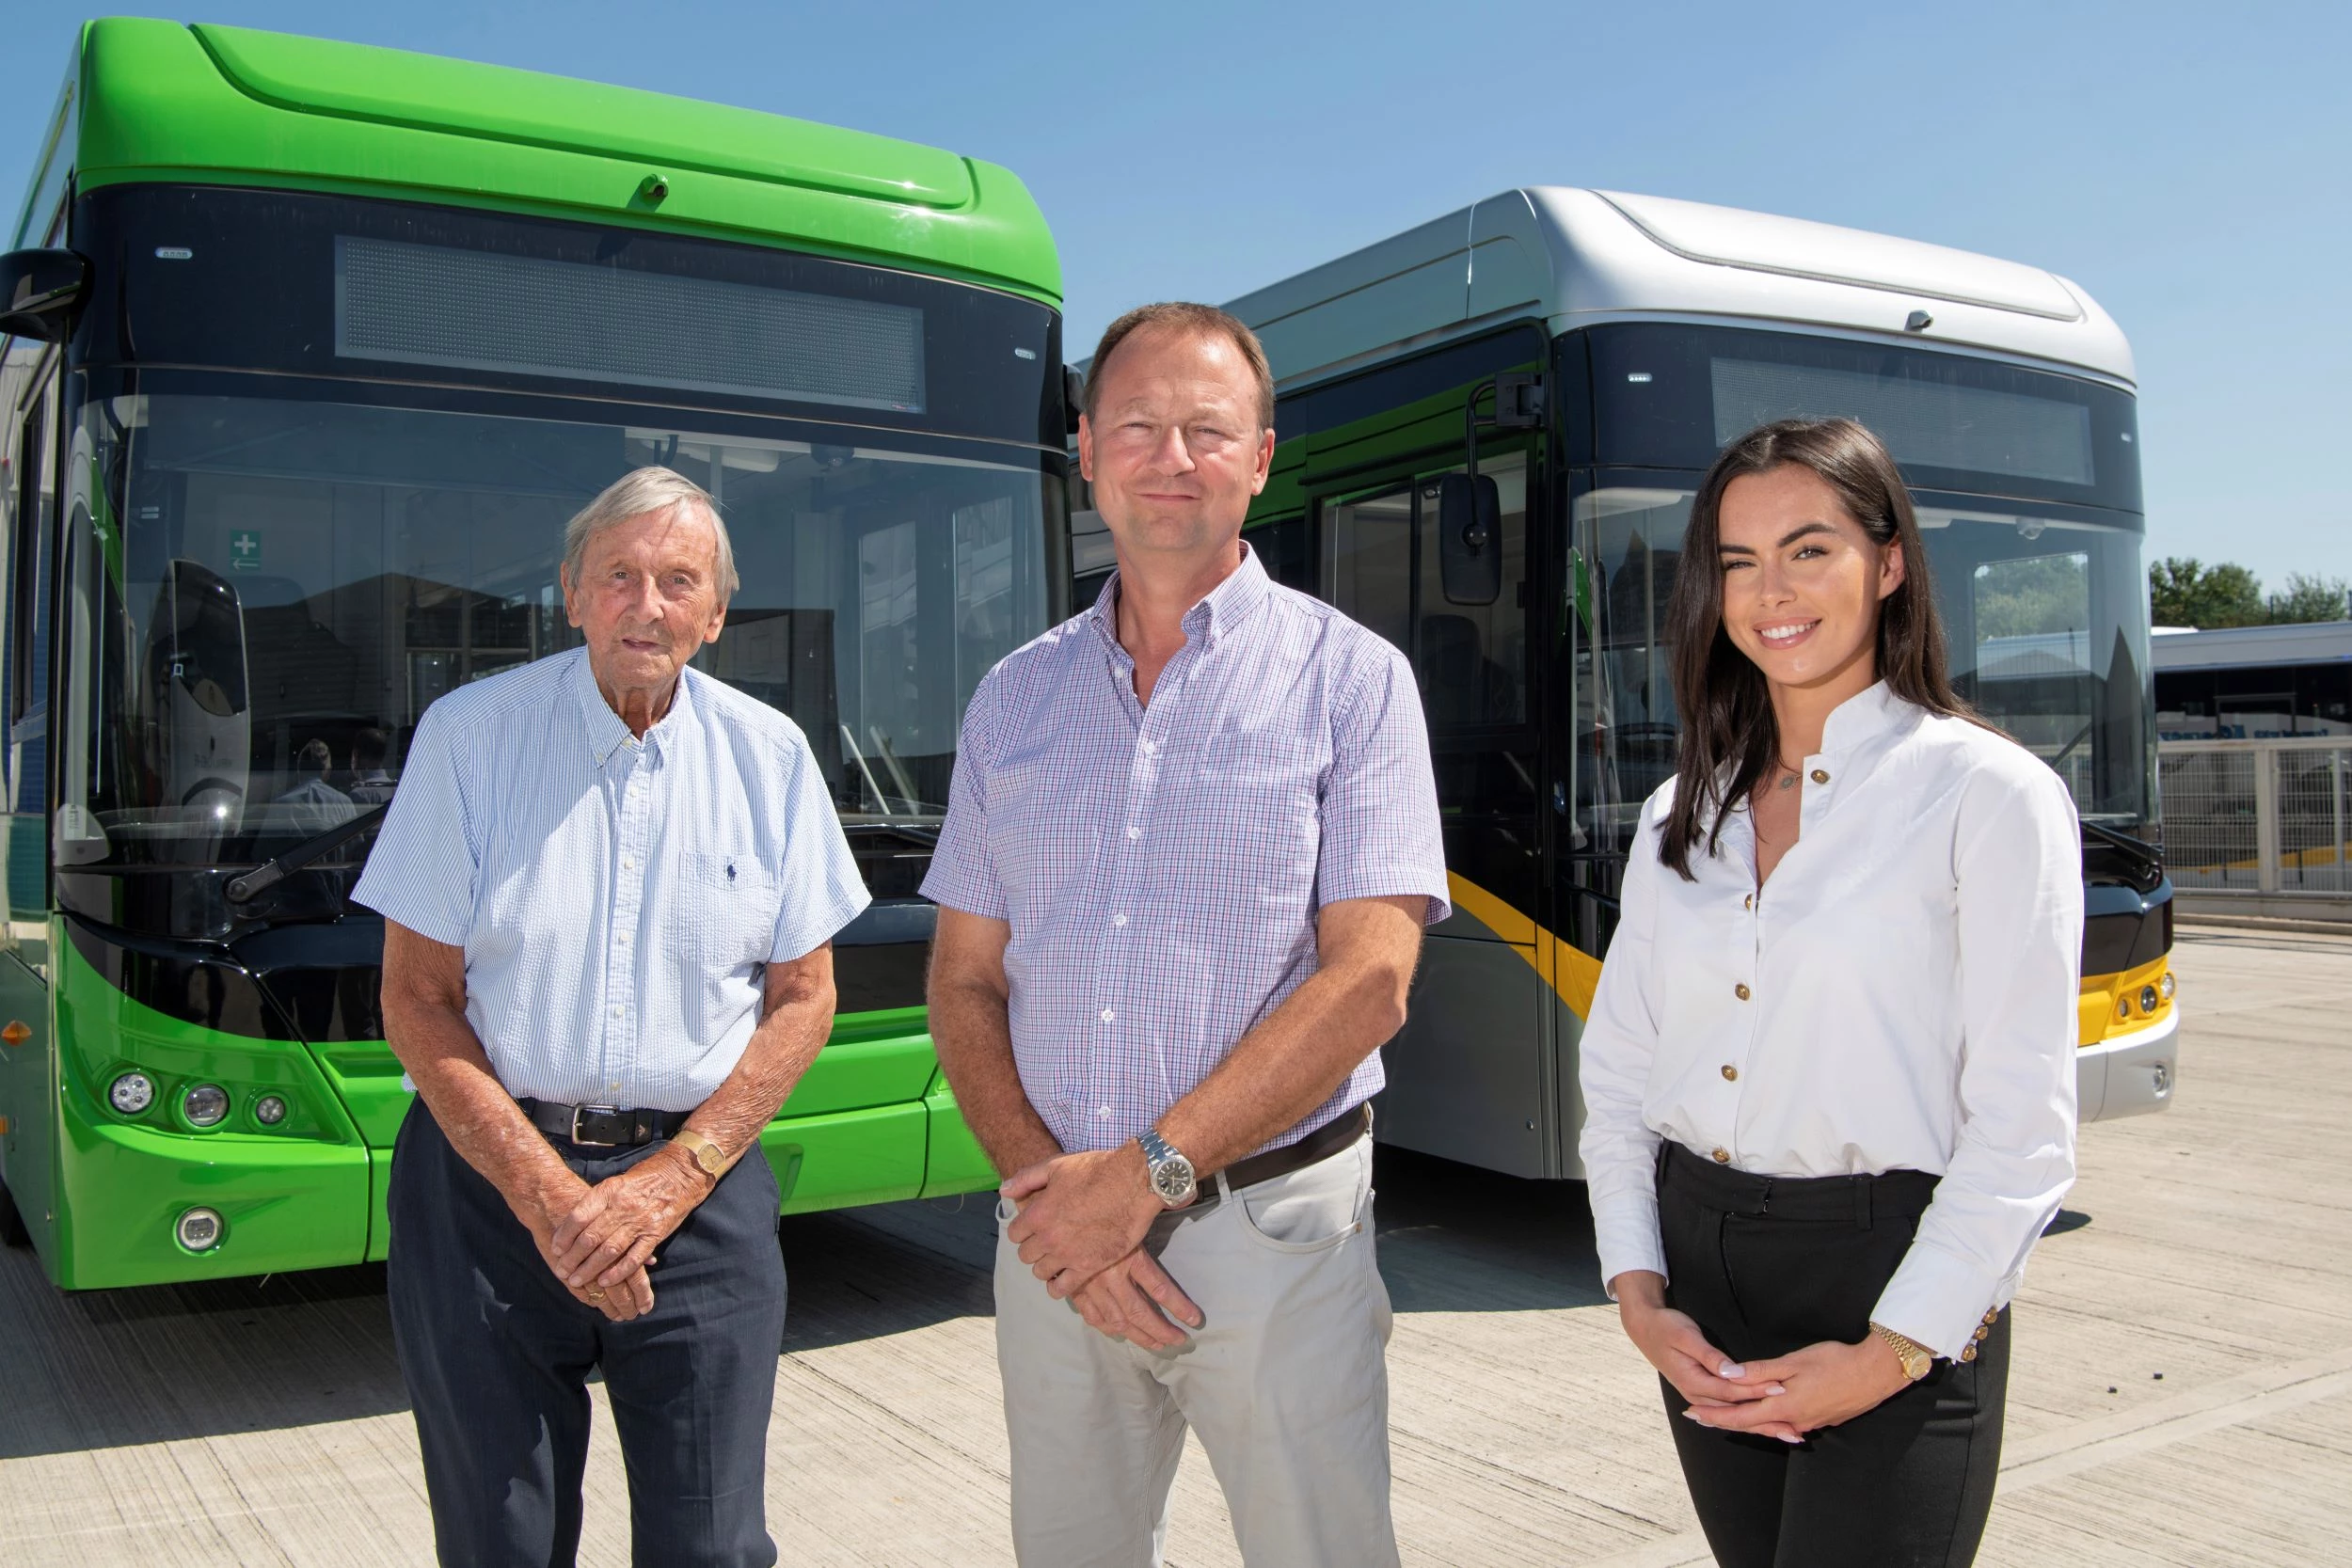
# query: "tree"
x,y
2311,597
2184,591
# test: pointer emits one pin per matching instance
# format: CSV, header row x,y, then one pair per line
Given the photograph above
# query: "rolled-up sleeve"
x,y
1380,832
1619,1149
425,869
823,889
2019,901
962,875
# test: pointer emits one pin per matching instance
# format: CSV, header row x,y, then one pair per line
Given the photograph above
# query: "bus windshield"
x,y
2043,616
273,589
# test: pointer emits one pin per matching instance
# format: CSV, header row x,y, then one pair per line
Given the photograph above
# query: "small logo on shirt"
x,y
730,873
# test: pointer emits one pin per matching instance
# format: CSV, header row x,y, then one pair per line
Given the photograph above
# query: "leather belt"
x,y
601,1126
1338,1133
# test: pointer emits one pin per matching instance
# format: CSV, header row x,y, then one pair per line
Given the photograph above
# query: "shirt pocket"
x,y
723,916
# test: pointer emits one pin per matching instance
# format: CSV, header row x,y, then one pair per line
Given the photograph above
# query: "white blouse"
x,y
1901,995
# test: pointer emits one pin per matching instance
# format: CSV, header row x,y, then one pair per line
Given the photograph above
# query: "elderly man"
x,y
1191,842
610,886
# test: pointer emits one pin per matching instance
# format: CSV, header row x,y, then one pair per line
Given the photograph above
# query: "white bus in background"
x,y
1491,427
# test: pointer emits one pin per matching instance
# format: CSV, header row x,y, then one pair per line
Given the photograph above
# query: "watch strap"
x,y
715,1162
1916,1358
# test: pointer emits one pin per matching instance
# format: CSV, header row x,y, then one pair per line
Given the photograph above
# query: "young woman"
x,y
1829,1076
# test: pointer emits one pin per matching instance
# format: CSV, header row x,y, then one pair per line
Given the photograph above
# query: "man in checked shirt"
x,y
1190,846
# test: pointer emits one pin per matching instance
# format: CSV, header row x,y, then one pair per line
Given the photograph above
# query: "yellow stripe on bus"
x,y
1573,973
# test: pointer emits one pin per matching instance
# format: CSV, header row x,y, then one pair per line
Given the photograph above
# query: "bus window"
x,y
1473,658
1381,567
1368,562
27,681
1631,541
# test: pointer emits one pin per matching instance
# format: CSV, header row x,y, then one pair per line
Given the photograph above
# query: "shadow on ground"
x,y
110,1369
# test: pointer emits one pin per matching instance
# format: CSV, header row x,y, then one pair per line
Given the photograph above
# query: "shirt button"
x,y
1103,1113
1134,832
1119,920
1820,775
1722,1157
1741,991
1108,1014
629,863
1749,902
1991,1317
1149,748
617,1011
623,939
1968,1355
1731,1074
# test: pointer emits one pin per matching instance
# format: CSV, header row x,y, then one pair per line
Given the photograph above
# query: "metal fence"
x,y
2260,816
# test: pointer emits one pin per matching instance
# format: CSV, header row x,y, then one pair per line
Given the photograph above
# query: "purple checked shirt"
x,y
1162,867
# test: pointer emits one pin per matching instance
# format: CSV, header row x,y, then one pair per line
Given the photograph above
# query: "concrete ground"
x,y
2183,1388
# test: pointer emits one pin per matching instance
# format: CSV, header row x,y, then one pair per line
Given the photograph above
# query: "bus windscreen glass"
x,y
2044,617
294,581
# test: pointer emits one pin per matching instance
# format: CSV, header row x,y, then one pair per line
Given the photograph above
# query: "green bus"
x,y
1491,428
311,349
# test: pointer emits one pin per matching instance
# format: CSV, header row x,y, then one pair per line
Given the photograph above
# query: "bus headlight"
x,y
2148,999
199,1229
269,1110
2164,986
2123,1009
205,1105
132,1093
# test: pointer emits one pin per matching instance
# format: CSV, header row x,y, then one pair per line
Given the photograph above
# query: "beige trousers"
x,y
1286,1385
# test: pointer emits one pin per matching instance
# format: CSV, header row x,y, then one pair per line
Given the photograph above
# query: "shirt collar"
x,y
1862,719
1227,605
608,736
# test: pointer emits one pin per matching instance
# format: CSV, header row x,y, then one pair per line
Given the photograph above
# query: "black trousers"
x,y
1766,1266
496,1355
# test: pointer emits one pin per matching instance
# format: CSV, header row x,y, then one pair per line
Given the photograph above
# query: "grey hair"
x,y
652,489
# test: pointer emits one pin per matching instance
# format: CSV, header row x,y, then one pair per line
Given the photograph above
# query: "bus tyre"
x,y
12,1229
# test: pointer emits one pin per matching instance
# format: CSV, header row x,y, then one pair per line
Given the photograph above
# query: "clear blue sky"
x,y
2187,165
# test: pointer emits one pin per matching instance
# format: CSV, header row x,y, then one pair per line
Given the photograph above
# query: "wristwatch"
x,y
1173,1178
713,1160
1916,1358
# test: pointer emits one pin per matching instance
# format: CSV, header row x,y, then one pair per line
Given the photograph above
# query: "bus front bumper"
x,y
283,1204
2130,1074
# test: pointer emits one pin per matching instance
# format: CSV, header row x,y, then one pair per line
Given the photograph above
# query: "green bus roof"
x,y
147,101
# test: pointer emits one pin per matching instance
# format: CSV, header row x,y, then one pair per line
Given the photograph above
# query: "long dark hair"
x,y
1730,738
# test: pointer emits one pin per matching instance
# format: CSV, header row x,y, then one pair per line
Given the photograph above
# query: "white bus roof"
x,y
2312,643
1577,258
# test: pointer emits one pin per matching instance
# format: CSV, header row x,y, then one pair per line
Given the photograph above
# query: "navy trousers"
x,y
496,1355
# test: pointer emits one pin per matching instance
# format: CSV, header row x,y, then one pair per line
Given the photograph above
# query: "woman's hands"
x,y
1826,1384
1673,1343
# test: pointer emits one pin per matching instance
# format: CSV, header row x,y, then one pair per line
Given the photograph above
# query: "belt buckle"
x,y
580,1111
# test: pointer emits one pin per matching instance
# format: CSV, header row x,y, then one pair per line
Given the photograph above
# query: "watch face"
x,y
1172,1181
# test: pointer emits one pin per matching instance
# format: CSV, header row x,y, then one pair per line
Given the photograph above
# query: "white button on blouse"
x,y
1899,995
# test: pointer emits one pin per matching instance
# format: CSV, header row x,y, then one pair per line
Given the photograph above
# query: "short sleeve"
x,y
1380,833
425,869
962,875
823,889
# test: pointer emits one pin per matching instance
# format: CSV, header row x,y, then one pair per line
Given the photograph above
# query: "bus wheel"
x,y
12,1229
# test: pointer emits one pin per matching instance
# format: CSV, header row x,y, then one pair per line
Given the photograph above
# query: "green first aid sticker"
x,y
244,549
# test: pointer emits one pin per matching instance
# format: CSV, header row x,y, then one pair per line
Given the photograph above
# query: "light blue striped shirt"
x,y
618,899
1162,867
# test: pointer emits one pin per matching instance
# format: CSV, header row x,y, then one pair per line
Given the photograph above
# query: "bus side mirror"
x,y
38,289
1470,539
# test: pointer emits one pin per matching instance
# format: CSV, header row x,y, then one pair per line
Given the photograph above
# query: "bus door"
x,y
1472,1074
27,1083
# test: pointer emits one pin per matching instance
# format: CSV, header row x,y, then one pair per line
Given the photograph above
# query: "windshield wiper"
x,y
241,890
2151,859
